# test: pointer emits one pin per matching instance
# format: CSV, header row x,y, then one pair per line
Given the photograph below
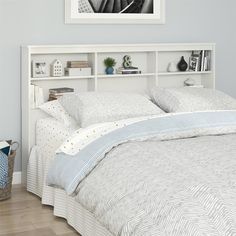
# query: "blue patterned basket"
x,y
5,192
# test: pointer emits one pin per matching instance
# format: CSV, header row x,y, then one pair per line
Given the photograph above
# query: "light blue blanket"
x,y
3,170
67,171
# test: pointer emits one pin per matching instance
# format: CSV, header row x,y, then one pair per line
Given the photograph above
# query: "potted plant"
x,y
109,63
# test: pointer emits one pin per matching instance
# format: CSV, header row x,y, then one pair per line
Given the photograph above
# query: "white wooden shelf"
x,y
119,75
184,73
125,75
91,77
62,78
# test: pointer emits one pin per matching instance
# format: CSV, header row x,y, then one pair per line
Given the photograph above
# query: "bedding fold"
x,y
68,171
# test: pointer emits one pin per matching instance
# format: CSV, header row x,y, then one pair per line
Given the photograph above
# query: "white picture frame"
x,y
39,69
73,16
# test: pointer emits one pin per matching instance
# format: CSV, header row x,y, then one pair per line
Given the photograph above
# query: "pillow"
x,y
92,108
56,110
189,99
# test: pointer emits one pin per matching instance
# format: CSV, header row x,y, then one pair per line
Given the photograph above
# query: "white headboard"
x,y
151,59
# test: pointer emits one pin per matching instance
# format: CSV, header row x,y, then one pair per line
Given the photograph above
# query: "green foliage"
x,y
109,62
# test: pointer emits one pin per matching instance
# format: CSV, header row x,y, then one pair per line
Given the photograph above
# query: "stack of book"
x,y
77,64
128,71
78,68
56,93
200,61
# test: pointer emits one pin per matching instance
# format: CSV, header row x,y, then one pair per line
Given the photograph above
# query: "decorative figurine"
x,y
182,65
127,63
56,68
172,67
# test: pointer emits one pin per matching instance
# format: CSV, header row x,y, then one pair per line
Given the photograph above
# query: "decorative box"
x,y
78,71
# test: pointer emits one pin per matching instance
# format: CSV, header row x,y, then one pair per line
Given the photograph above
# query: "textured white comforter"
x,y
173,175
176,187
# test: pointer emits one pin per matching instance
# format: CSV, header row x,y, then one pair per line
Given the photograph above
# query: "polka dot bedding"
x,y
50,134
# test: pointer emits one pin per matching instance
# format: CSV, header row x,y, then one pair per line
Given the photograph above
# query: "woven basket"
x,y
5,193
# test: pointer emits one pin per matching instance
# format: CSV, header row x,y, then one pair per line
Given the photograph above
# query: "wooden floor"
x,y
23,215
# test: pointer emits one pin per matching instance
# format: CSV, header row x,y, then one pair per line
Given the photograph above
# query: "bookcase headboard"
x,y
152,60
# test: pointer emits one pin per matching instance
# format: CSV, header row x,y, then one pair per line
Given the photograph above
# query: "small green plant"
x,y
109,62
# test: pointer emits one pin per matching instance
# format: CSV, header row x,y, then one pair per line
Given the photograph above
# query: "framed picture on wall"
x,y
114,11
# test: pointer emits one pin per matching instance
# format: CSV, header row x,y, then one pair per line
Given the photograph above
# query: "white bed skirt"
x,y
76,215
65,206
49,136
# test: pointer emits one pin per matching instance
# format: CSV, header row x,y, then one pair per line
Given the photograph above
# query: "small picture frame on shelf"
x,y
194,61
39,69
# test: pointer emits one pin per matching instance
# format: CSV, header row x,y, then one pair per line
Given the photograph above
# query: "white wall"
x,y
25,22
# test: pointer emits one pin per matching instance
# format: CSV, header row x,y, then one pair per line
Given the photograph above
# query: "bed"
x,y
179,165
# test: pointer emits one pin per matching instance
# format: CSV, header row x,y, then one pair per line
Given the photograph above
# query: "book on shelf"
x,y
199,61
56,93
205,64
36,96
128,71
61,90
207,61
31,94
53,97
202,60
56,96
77,64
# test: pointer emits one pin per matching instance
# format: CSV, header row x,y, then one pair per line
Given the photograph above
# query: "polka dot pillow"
x,y
189,99
56,110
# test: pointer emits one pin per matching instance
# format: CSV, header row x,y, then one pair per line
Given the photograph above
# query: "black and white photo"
x,y
39,69
116,6
115,11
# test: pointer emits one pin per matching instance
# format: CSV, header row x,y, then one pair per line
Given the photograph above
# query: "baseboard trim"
x,y
16,178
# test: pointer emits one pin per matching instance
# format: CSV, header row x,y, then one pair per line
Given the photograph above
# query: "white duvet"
x,y
181,185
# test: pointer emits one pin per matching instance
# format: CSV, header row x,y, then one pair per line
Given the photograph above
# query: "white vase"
x,y
172,67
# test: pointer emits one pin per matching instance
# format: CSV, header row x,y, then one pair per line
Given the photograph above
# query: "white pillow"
x,y
56,110
189,99
92,108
